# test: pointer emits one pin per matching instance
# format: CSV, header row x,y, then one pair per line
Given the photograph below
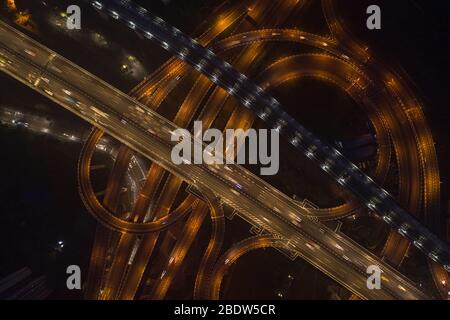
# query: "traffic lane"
x,y
17,68
24,45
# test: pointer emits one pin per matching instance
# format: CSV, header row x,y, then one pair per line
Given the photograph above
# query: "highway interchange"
x,y
269,109
149,134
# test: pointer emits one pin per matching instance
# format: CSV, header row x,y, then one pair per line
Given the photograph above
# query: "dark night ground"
x,y
40,204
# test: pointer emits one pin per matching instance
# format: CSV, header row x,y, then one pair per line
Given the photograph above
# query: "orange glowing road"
x,y
233,254
102,234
